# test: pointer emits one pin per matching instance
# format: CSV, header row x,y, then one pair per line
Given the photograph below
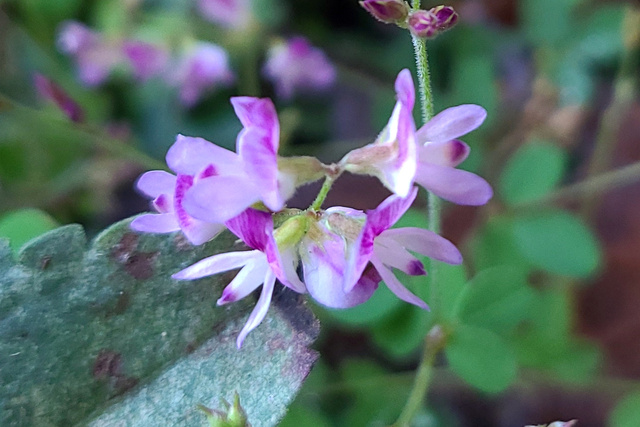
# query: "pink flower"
x,y
347,253
384,248
233,14
94,57
193,160
296,65
146,59
402,156
392,157
255,178
259,266
201,69
439,152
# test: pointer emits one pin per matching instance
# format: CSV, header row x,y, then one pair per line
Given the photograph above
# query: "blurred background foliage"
x,y
541,322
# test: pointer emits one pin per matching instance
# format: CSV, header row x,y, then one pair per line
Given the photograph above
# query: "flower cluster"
x,y
343,253
422,23
197,67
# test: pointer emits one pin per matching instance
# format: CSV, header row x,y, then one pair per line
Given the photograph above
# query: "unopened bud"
x,y
446,17
235,416
423,24
387,11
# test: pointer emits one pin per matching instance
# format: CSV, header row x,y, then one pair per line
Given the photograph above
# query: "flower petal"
x,y
156,183
424,242
258,113
260,164
217,264
395,286
392,254
323,275
449,153
246,281
451,123
261,308
217,199
190,155
389,212
405,90
155,223
254,227
289,260
455,185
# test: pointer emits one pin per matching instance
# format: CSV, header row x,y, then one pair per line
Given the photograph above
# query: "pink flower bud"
x,y
387,11
446,17
423,23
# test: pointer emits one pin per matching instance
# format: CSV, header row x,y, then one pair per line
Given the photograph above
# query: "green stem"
x,y
326,186
432,346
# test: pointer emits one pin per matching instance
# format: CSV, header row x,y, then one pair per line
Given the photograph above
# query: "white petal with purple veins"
x,y
217,264
261,308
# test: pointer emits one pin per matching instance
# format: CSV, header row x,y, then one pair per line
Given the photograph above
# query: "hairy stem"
x,y
432,347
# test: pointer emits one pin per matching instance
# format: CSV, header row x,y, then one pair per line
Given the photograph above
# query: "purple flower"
x,y
392,157
193,160
347,253
202,68
439,152
423,23
259,266
233,14
255,178
146,59
47,89
383,248
94,57
296,65
323,252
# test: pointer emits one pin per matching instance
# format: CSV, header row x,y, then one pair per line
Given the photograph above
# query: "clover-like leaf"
x,y
103,336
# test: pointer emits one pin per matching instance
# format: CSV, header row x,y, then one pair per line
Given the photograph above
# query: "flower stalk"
x,y
431,346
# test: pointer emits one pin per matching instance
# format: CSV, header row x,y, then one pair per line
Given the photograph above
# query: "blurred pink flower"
x,y
94,56
201,69
146,59
232,14
295,65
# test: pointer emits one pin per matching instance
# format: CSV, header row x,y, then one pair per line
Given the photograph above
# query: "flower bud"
x,y
423,23
235,416
446,17
387,11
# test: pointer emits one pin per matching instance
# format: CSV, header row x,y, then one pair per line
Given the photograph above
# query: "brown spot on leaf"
x,y
293,307
137,264
107,364
45,262
123,384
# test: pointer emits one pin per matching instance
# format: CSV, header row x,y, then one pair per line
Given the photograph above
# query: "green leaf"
x,y
533,171
546,21
627,412
23,225
495,245
102,335
481,358
497,299
558,242
403,332
451,281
